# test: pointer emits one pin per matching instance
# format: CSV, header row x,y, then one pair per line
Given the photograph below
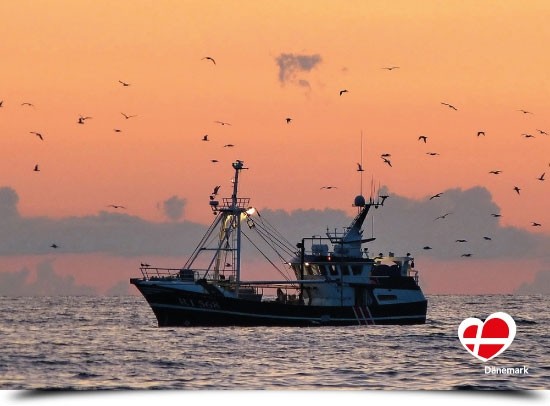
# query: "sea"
x,y
85,345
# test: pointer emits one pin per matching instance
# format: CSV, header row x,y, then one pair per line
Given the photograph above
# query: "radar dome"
x,y
359,201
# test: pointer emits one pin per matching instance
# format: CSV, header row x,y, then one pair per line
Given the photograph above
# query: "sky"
x,y
470,76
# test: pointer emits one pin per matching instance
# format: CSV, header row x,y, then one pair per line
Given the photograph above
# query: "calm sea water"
x,y
98,343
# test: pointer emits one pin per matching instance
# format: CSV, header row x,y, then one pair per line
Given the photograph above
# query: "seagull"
x,y
385,155
36,169
534,224
497,172
541,177
124,83
210,59
1,103
461,241
205,137
466,255
116,130
496,215
81,119
525,111
38,135
127,116
228,145
27,104
432,153
423,138
359,168
436,195
449,105
54,246
288,120
542,132
517,189
329,187
442,216
427,247
343,91
145,265
222,122
216,190
528,135
214,160
116,206
487,238
479,133
391,67
386,160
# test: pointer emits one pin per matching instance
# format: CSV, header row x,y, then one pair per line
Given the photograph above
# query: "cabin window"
x,y
356,269
386,297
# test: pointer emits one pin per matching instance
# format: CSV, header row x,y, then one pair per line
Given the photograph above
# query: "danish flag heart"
x,y
486,340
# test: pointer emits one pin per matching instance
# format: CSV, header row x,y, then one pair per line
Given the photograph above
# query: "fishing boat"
x,y
326,280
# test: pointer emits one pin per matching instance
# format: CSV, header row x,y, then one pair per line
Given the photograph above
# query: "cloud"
x,y
401,225
290,65
46,283
540,286
173,208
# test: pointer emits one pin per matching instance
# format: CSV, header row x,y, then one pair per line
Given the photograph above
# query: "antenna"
x,y
361,167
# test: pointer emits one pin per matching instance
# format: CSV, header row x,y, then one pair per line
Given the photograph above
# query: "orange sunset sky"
x,y
273,60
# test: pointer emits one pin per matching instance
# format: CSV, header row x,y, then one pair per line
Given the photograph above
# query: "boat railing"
x,y
242,202
153,273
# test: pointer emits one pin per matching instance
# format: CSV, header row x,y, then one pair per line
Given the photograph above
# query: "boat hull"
x,y
174,307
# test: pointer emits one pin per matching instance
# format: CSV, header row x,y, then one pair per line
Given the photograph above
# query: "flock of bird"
x,y
386,157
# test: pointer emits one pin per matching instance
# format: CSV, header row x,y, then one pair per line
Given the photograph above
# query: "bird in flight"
x,y
210,59
542,132
145,265
449,105
535,224
205,137
288,120
460,240
127,116
27,104
391,67
386,160
487,238
496,215
222,123
480,133
216,190
432,153
359,168
228,145
423,138
82,119
442,216
214,160
329,187
466,255
528,135
525,111
541,177
436,195
1,103
343,91
54,246
38,135
36,168
496,172
427,247
124,83
116,206
517,189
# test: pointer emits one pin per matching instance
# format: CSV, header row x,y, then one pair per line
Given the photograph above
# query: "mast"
x,y
236,211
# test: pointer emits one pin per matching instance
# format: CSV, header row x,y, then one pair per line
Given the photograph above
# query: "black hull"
x,y
181,308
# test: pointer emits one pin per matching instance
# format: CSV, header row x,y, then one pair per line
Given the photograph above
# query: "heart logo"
x,y
486,340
